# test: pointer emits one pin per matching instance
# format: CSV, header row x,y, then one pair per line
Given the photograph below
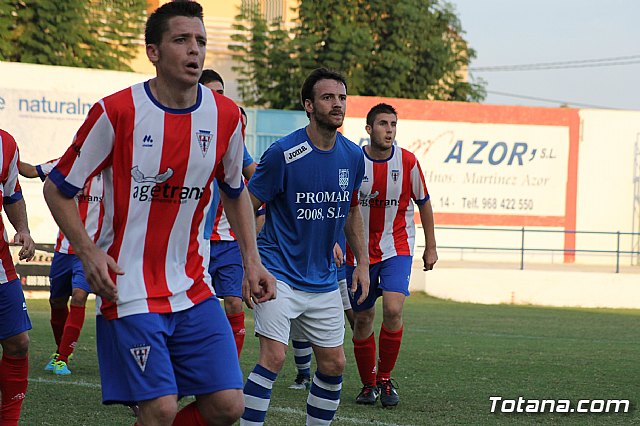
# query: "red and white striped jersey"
x,y
221,226
89,201
386,195
10,192
158,165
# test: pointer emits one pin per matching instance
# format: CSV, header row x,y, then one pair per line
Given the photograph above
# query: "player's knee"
x,y
58,303
232,411
365,317
339,365
272,354
16,346
332,366
226,407
272,361
392,314
79,298
232,305
160,411
363,323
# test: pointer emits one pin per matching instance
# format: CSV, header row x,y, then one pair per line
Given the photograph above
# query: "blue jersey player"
x,y
309,181
302,348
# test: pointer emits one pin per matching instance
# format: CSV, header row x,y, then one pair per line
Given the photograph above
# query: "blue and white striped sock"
x,y
302,356
257,395
323,400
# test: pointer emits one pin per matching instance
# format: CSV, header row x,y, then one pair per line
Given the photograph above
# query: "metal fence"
x,y
522,245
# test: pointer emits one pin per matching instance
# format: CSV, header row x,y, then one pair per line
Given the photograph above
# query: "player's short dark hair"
x,y
380,109
316,75
210,75
157,23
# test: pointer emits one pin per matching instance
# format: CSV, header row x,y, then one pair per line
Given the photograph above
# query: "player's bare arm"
x,y
27,170
338,255
95,262
258,284
17,215
248,171
430,255
354,232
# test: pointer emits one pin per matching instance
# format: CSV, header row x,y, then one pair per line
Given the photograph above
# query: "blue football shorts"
x,y
225,268
146,356
389,275
65,275
14,318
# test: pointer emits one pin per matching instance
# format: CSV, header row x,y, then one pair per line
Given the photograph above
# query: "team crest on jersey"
x,y
141,355
204,140
395,174
343,178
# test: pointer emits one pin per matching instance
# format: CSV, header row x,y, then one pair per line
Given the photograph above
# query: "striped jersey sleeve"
x,y
11,193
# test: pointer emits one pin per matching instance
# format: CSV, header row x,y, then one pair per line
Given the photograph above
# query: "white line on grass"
x,y
286,410
64,382
355,421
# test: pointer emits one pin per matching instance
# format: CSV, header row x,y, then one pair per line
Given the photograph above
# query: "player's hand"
x,y
28,249
338,255
360,278
97,264
429,258
258,285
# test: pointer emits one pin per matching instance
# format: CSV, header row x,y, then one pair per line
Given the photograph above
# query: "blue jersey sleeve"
x,y
211,214
359,172
247,159
268,180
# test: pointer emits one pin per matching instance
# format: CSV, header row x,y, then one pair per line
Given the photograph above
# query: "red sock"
x,y
189,416
71,332
389,348
237,326
365,353
13,385
58,319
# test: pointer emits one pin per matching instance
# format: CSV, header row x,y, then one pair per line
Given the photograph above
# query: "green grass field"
x,y
454,357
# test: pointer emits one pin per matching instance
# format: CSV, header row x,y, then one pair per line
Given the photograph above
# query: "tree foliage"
x,y
404,49
6,23
78,33
265,71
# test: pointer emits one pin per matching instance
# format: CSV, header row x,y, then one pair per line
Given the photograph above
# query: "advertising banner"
x,y
488,165
42,107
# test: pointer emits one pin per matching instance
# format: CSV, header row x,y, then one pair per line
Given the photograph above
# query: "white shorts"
x,y
344,293
316,317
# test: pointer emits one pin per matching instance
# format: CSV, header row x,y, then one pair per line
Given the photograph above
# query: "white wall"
x,y
605,175
42,107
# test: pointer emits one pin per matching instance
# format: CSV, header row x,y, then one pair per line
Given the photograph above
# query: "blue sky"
x,y
514,32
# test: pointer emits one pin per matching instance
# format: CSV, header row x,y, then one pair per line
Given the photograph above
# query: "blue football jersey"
x,y
215,197
308,193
